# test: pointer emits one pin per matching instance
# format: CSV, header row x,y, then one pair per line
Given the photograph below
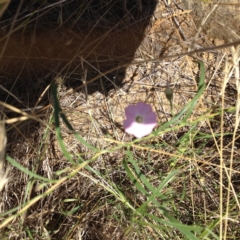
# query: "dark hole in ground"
x,y
68,38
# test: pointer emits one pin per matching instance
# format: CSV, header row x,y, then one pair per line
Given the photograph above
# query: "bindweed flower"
x,y
140,119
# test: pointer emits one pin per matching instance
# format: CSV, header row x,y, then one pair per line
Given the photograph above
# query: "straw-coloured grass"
x,y
74,172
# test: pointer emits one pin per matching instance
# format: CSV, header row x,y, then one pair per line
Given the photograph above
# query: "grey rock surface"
x,y
223,23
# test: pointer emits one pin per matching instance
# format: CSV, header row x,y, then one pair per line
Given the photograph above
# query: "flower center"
x,y
139,119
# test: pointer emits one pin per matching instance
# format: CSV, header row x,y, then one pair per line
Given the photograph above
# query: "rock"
x,y
223,23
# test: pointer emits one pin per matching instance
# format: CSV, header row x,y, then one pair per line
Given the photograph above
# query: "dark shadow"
x,y
77,40
71,39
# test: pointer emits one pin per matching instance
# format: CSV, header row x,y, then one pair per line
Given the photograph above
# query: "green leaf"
x,y
184,229
190,106
208,231
28,172
58,112
133,178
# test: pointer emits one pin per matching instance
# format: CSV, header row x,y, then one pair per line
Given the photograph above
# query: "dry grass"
x,y
87,192
3,141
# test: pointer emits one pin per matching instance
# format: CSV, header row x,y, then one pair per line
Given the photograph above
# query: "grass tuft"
x,y
72,172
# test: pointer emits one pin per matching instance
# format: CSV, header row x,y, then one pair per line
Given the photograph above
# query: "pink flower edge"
x,y
149,119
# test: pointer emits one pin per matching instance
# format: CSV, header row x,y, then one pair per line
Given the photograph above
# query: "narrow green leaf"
x,y
190,106
208,231
133,178
140,175
57,111
26,171
201,88
184,229
157,193
78,137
